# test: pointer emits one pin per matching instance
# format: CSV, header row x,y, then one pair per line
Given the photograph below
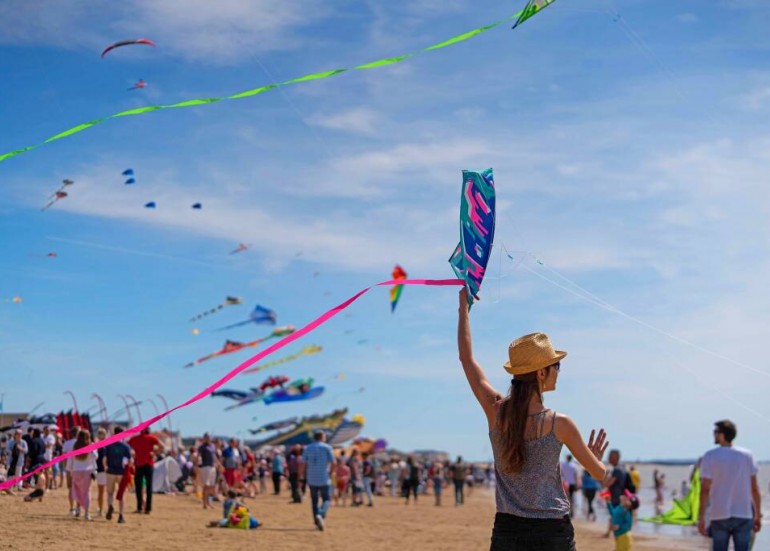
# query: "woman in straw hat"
x,y
527,439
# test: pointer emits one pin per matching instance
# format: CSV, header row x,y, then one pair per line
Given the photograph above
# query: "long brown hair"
x,y
512,421
84,439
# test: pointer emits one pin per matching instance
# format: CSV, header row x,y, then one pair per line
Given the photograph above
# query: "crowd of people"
x,y
216,470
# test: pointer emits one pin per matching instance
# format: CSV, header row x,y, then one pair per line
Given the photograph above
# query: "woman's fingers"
x,y
591,439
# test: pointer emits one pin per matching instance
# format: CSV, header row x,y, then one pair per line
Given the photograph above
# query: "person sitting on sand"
x,y
40,488
235,515
527,439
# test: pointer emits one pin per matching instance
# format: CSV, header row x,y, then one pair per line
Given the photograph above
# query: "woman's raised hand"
x,y
598,446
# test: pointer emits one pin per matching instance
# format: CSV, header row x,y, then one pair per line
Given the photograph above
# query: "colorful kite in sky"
x,y
234,346
532,7
229,301
111,47
241,247
15,300
306,351
395,291
141,83
477,229
259,315
129,172
59,194
301,389
253,395
276,425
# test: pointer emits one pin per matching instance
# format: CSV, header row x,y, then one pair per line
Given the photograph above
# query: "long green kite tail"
x,y
532,7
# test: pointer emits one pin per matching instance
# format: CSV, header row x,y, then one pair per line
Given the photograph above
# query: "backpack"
x,y
629,485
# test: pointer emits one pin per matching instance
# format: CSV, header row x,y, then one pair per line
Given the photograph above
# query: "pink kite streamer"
x,y
323,318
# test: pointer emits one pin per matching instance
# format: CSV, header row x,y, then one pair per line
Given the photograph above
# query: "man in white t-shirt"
x,y
50,441
569,480
730,490
67,447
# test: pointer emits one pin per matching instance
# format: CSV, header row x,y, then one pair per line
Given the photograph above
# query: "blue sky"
x,y
630,148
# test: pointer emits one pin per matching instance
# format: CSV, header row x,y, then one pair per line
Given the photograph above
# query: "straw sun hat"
x,y
530,353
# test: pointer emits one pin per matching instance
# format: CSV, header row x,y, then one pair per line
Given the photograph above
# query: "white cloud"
x,y
360,120
687,18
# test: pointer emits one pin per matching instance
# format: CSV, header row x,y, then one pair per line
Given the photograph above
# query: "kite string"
x,y
590,297
320,320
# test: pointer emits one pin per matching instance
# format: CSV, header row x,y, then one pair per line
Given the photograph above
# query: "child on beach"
x,y
342,479
622,520
235,515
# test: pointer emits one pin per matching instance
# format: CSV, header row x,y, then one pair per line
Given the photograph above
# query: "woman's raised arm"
x,y
480,385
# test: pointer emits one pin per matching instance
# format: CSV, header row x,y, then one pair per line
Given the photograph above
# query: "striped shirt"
x,y
318,456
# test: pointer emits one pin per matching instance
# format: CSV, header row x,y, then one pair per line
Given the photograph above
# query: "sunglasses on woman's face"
x,y
557,366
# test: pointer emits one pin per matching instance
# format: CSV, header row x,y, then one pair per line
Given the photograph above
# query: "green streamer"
x,y
249,93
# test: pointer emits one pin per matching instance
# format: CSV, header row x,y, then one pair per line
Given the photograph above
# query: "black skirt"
x,y
512,533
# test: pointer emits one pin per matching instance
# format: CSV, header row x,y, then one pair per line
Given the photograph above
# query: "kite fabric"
x,y
130,181
150,205
477,230
59,194
229,301
241,247
262,89
234,346
312,326
306,351
111,47
128,172
684,512
395,291
276,425
141,83
531,9
253,395
197,206
284,396
259,315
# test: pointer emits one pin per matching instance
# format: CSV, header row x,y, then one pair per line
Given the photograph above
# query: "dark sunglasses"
x,y
556,366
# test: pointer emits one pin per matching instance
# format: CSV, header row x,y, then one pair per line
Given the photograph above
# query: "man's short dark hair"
x,y
728,428
319,435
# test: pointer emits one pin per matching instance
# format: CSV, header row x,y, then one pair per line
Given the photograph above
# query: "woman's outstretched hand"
x,y
598,446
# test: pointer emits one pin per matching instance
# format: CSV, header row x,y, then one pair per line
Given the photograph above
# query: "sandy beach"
x,y
179,522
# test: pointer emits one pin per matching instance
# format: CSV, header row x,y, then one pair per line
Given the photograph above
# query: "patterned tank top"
x,y
536,491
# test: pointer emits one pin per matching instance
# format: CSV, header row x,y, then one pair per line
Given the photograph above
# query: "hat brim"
x,y
529,368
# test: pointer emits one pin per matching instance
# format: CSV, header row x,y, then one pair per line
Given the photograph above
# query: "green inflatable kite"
x,y
684,511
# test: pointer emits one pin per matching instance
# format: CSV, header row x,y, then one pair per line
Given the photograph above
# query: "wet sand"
x,y
179,522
